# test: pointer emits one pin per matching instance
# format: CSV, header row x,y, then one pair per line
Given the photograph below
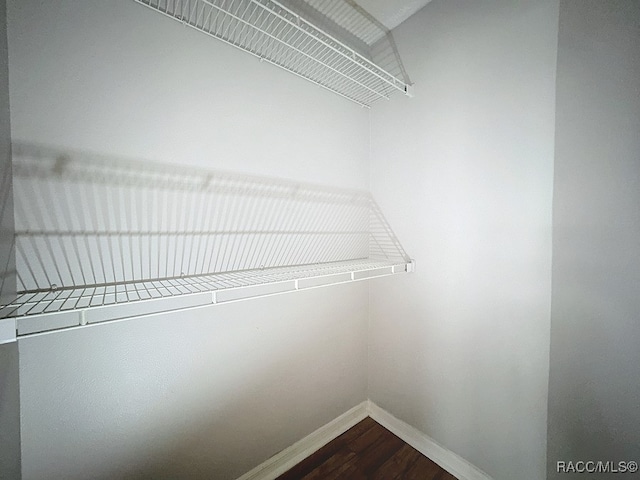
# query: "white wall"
x,y
117,78
464,174
9,412
210,393
204,394
7,255
9,379
7,229
594,393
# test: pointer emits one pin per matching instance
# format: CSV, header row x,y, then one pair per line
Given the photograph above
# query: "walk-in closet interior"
x,y
230,230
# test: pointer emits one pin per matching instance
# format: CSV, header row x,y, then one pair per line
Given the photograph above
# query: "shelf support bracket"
x,y
411,266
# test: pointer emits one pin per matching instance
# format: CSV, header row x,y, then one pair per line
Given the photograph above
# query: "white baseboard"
x,y
291,456
444,457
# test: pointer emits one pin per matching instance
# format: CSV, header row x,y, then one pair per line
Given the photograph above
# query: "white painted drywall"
x,y
206,394
464,174
9,375
594,392
117,78
7,255
9,412
202,394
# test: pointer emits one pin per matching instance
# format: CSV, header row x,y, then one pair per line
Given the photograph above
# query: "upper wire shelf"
x,y
100,239
333,43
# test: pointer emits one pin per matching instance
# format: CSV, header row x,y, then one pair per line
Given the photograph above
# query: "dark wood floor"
x,y
367,451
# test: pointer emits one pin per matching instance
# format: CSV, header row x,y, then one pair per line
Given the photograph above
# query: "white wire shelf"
x,y
45,312
355,58
101,239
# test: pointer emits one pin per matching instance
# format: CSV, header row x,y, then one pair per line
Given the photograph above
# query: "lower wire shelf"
x,y
36,313
101,239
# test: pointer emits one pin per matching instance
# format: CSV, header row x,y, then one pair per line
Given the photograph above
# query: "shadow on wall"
x,y
92,220
94,230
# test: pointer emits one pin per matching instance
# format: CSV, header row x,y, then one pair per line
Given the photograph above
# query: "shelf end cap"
x,y
7,330
409,90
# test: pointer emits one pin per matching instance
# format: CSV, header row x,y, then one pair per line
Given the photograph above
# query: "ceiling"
x,y
392,13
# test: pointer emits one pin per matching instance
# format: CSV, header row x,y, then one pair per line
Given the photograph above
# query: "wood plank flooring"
x,y
367,451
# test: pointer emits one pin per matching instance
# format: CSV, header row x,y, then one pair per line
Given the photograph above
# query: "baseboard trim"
x,y
444,457
291,456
